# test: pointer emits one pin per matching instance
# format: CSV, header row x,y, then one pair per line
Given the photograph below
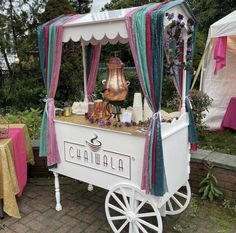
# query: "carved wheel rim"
x,y
179,201
126,213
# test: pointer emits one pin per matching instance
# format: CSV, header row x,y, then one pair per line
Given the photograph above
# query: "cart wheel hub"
x,y
131,216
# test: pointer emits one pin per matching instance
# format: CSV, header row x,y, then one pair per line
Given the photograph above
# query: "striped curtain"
x,y
145,26
93,56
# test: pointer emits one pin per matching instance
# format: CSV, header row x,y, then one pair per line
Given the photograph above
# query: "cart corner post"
x,y
57,192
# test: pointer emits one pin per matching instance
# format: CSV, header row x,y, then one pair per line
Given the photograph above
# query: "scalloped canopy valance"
x,y
104,27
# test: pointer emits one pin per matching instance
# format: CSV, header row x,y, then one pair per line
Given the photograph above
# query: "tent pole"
x,y
85,71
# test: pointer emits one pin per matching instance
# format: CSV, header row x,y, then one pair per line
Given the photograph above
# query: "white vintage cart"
x,y
113,159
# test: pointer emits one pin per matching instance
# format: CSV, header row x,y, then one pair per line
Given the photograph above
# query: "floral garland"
x,y
173,43
108,123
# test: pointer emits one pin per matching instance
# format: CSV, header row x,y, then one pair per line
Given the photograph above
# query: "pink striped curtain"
x,y
93,70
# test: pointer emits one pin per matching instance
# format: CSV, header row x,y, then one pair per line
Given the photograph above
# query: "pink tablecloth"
x,y
17,136
229,120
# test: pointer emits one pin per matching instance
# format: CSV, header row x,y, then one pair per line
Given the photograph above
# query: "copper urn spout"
x,y
116,87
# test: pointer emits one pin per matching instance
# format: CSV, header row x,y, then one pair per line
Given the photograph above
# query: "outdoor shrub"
x,y
200,102
209,185
32,118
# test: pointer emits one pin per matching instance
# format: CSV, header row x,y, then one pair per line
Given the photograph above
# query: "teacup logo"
x,y
94,144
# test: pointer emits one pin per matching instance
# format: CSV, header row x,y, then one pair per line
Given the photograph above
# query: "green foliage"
x,y
54,9
70,85
222,141
178,228
228,205
81,6
193,207
21,84
208,12
119,4
200,103
2,227
169,94
209,185
32,118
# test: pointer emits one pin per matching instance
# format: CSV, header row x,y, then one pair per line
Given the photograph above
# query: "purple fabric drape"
x,y
93,71
150,99
220,53
52,147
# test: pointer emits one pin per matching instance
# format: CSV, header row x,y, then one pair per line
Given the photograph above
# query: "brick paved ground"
x,y
83,212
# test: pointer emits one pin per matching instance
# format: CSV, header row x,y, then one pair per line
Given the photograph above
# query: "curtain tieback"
x,y
156,115
187,98
48,101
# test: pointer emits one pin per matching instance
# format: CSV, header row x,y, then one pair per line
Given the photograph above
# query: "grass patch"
x,y
220,141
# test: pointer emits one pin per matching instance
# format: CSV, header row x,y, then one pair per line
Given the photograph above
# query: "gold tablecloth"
x,y
8,180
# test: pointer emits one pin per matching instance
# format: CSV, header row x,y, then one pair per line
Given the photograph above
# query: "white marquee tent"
x,y
222,85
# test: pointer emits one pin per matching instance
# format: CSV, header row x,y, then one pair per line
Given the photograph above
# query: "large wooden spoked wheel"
x,y
179,201
128,210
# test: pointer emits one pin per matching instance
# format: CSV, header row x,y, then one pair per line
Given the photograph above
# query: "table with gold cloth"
x,y
9,186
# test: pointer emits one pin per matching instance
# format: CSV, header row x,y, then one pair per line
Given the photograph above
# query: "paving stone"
x,y
25,209
19,227
31,194
76,211
7,230
29,217
91,208
93,227
69,220
79,228
36,225
63,229
81,213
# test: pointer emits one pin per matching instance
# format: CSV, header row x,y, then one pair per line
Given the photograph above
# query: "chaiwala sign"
x,y
92,154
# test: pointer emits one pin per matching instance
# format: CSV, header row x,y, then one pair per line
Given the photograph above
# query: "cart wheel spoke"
x,y
149,225
116,209
133,206
131,227
146,215
179,201
132,199
181,195
116,218
136,228
123,226
125,198
118,201
141,227
170,205
140,206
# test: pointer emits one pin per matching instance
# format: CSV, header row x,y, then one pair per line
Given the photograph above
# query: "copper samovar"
x,y
116,87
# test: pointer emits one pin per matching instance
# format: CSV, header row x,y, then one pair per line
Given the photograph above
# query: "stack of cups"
x,y
147,112
137,113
